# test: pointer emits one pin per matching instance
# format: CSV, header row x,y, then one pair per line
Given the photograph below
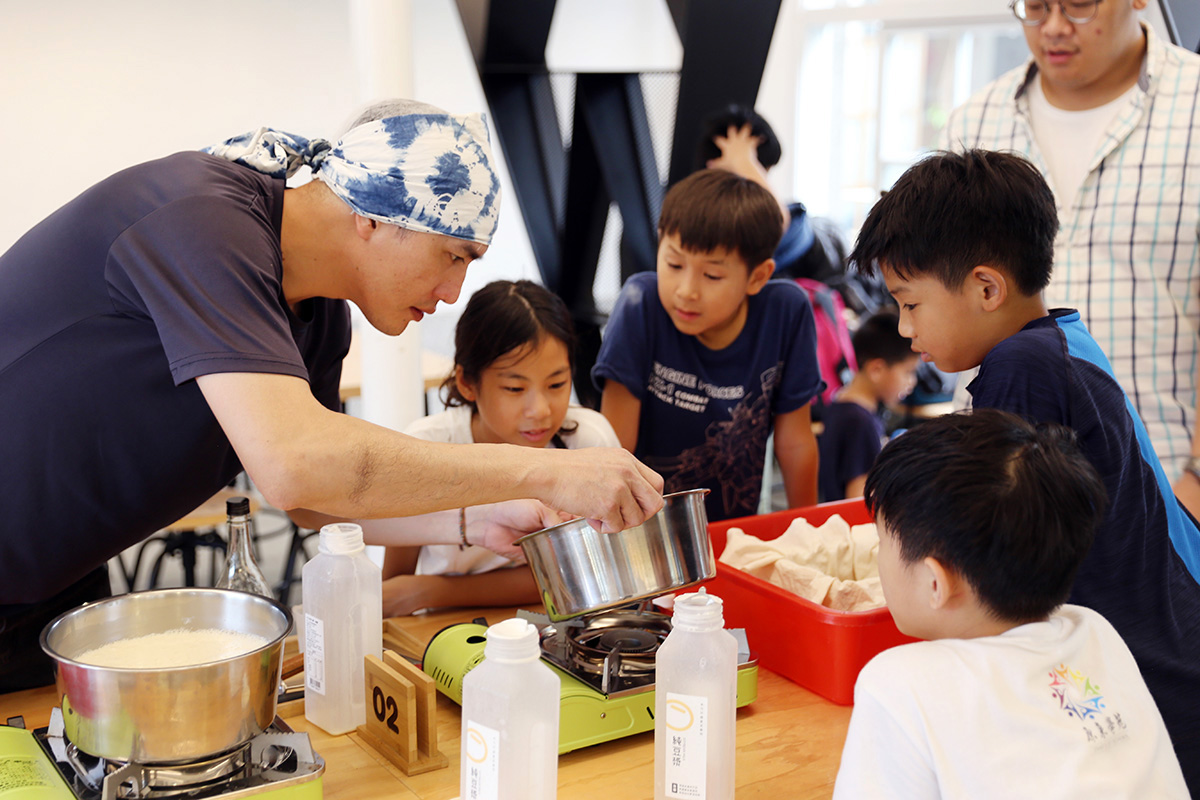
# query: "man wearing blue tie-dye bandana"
x,y
186,319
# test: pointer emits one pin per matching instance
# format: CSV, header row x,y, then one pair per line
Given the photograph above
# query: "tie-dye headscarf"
x,y
423,172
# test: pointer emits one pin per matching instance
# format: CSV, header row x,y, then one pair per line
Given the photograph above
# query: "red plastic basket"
x,y
817,647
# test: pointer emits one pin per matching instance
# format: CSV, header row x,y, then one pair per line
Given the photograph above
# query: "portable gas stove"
x,y
605,662
44,765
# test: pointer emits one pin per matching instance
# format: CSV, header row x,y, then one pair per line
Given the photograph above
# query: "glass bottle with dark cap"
x,y
241,569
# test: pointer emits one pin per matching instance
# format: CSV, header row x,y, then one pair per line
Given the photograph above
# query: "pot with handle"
x,y
168,714
580,570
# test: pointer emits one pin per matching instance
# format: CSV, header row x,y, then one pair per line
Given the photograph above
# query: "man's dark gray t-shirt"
x,y
109,309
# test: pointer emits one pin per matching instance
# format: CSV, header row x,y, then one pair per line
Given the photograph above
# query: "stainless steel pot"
x,y
580,570
173,714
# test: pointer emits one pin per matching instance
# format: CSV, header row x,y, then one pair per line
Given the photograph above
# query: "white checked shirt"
x,y
1128,249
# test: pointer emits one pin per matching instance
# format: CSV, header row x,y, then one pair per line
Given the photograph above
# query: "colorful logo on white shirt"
x,y
1075,692
1081,699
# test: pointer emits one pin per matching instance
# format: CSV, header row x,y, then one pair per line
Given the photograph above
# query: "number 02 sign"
x,y
402,719
386,709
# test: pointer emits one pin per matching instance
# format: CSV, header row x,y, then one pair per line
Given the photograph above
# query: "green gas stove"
x,y
604,661
42,764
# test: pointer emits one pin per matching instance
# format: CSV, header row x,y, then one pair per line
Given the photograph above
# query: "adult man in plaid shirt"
x,y
1111,116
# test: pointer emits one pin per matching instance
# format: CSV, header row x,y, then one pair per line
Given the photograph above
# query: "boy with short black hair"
x,y
1106,108
965,243
984,520
704,356
853,428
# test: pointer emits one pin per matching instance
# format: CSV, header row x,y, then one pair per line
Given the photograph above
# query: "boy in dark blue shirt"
x,y
965,243
854,432
704,356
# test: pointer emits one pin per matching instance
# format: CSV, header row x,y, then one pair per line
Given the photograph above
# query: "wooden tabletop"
x,y
212,512
789,744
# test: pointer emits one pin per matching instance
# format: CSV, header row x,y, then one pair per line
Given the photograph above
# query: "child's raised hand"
x,y
739,152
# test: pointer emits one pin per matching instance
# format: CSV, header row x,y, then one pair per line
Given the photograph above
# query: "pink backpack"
x,y
835,352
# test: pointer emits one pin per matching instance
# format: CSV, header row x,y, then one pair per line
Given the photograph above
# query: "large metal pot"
x,y
173,714
580,570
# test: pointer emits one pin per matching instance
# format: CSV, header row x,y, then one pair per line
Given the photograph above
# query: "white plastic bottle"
x,y
343,623
695,703
510,719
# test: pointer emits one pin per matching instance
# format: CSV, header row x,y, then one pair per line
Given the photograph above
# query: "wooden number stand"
x,y
401,714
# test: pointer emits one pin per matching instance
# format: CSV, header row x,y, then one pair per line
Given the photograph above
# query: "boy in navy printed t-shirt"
x,y
702,358
965,243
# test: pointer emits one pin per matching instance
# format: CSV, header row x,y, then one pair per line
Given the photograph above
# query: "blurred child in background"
x,y
511,385
854,429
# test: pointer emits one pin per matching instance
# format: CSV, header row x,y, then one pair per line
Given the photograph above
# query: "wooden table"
x,y
789,744
211,512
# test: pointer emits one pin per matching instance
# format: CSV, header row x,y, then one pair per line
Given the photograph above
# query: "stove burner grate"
x,y
612,651
275,757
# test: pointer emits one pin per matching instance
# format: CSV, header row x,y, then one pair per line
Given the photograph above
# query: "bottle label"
x,y
687,746
314,654
481,756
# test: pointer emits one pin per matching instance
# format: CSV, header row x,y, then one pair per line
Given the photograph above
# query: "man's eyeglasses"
x,y
1035,12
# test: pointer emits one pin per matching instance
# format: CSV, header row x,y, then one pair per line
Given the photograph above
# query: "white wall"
x,y
612,36
89,88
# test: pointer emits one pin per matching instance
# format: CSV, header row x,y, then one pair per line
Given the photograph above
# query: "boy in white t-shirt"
x,y
984,520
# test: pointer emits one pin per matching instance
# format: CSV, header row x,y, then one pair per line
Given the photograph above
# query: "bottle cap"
x,y
698,611
237,506
511,641
341,538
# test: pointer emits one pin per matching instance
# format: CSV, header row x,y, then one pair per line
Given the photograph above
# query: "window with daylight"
x,y
875,83
876,80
